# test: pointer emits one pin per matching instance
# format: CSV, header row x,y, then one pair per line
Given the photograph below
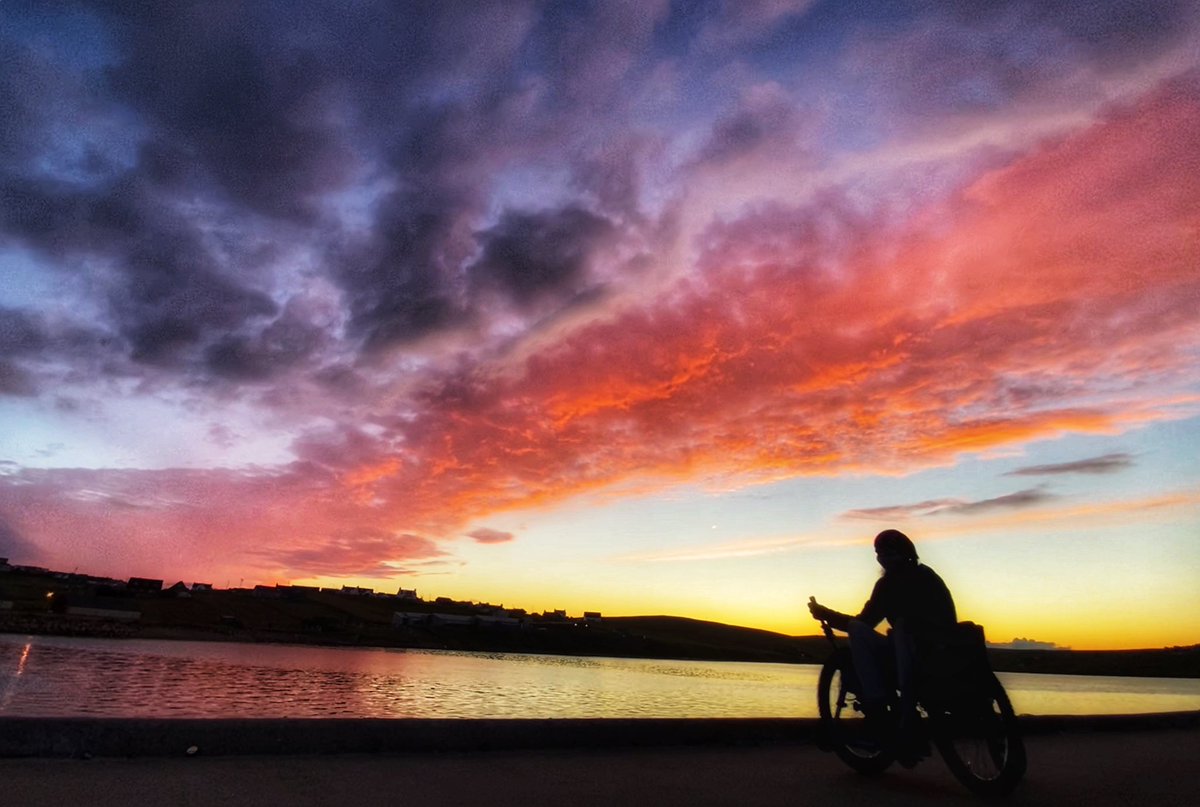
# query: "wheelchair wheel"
x,y
843,726
981,742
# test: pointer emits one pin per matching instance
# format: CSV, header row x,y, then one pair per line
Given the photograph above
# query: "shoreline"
x,y
1168,662
85,738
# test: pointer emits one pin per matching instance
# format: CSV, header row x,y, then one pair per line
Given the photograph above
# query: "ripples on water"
x,y
54,676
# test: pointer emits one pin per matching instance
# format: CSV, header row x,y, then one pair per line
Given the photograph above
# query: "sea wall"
x,y
137,737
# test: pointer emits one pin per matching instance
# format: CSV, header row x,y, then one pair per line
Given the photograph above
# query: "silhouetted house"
x,y
144,585
555,616
201,587
178,590
4,567
267,593
591,616
296,593
408,595
358,591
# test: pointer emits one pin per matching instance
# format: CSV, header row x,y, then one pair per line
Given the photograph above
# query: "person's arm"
x,y
875,609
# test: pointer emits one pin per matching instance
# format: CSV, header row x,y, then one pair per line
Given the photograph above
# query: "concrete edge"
x,y
139,737
1054,724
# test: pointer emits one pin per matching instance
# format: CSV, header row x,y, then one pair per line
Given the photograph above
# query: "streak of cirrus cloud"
x,y
463,260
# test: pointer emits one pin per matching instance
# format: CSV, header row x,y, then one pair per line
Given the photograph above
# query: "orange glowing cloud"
x,y
1057,294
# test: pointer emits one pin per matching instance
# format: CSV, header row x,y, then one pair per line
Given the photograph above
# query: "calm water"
x,y
45,676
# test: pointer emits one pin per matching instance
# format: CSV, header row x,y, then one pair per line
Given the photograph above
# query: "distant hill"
x,y
681,637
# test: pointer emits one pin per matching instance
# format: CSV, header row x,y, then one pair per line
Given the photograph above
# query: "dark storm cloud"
x,y
1116,30
222,84
973,57
397,283
197,130
282,344
232,110
612,176
589,48
246,120
166,289
174,296
765,118
529,254
1012,501
33,350
23,80
20,332
1103,464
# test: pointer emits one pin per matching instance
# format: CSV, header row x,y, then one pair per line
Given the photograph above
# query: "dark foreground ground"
x,y
1092,768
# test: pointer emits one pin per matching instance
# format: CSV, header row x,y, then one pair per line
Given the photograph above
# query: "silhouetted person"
x,y
920,610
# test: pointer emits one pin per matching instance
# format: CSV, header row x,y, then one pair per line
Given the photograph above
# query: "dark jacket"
x,y
912,596
915,597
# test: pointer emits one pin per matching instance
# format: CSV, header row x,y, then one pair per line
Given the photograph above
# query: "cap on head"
x,y
895,542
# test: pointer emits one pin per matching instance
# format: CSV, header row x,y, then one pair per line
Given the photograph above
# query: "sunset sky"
x,y
645,307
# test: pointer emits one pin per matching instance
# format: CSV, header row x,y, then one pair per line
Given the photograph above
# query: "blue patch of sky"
x,y
26,283
1164,461
89,156
81,145
812,42
75,35
674,36
529,188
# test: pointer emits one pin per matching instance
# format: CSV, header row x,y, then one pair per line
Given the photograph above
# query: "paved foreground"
x,y
1089,768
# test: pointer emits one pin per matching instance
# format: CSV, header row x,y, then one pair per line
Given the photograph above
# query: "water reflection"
x,y
45,676
11,684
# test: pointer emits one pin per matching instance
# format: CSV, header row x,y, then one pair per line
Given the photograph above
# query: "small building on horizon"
x,y
144,585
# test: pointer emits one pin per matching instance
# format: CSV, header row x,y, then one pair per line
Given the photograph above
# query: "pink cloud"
x,y
484,535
